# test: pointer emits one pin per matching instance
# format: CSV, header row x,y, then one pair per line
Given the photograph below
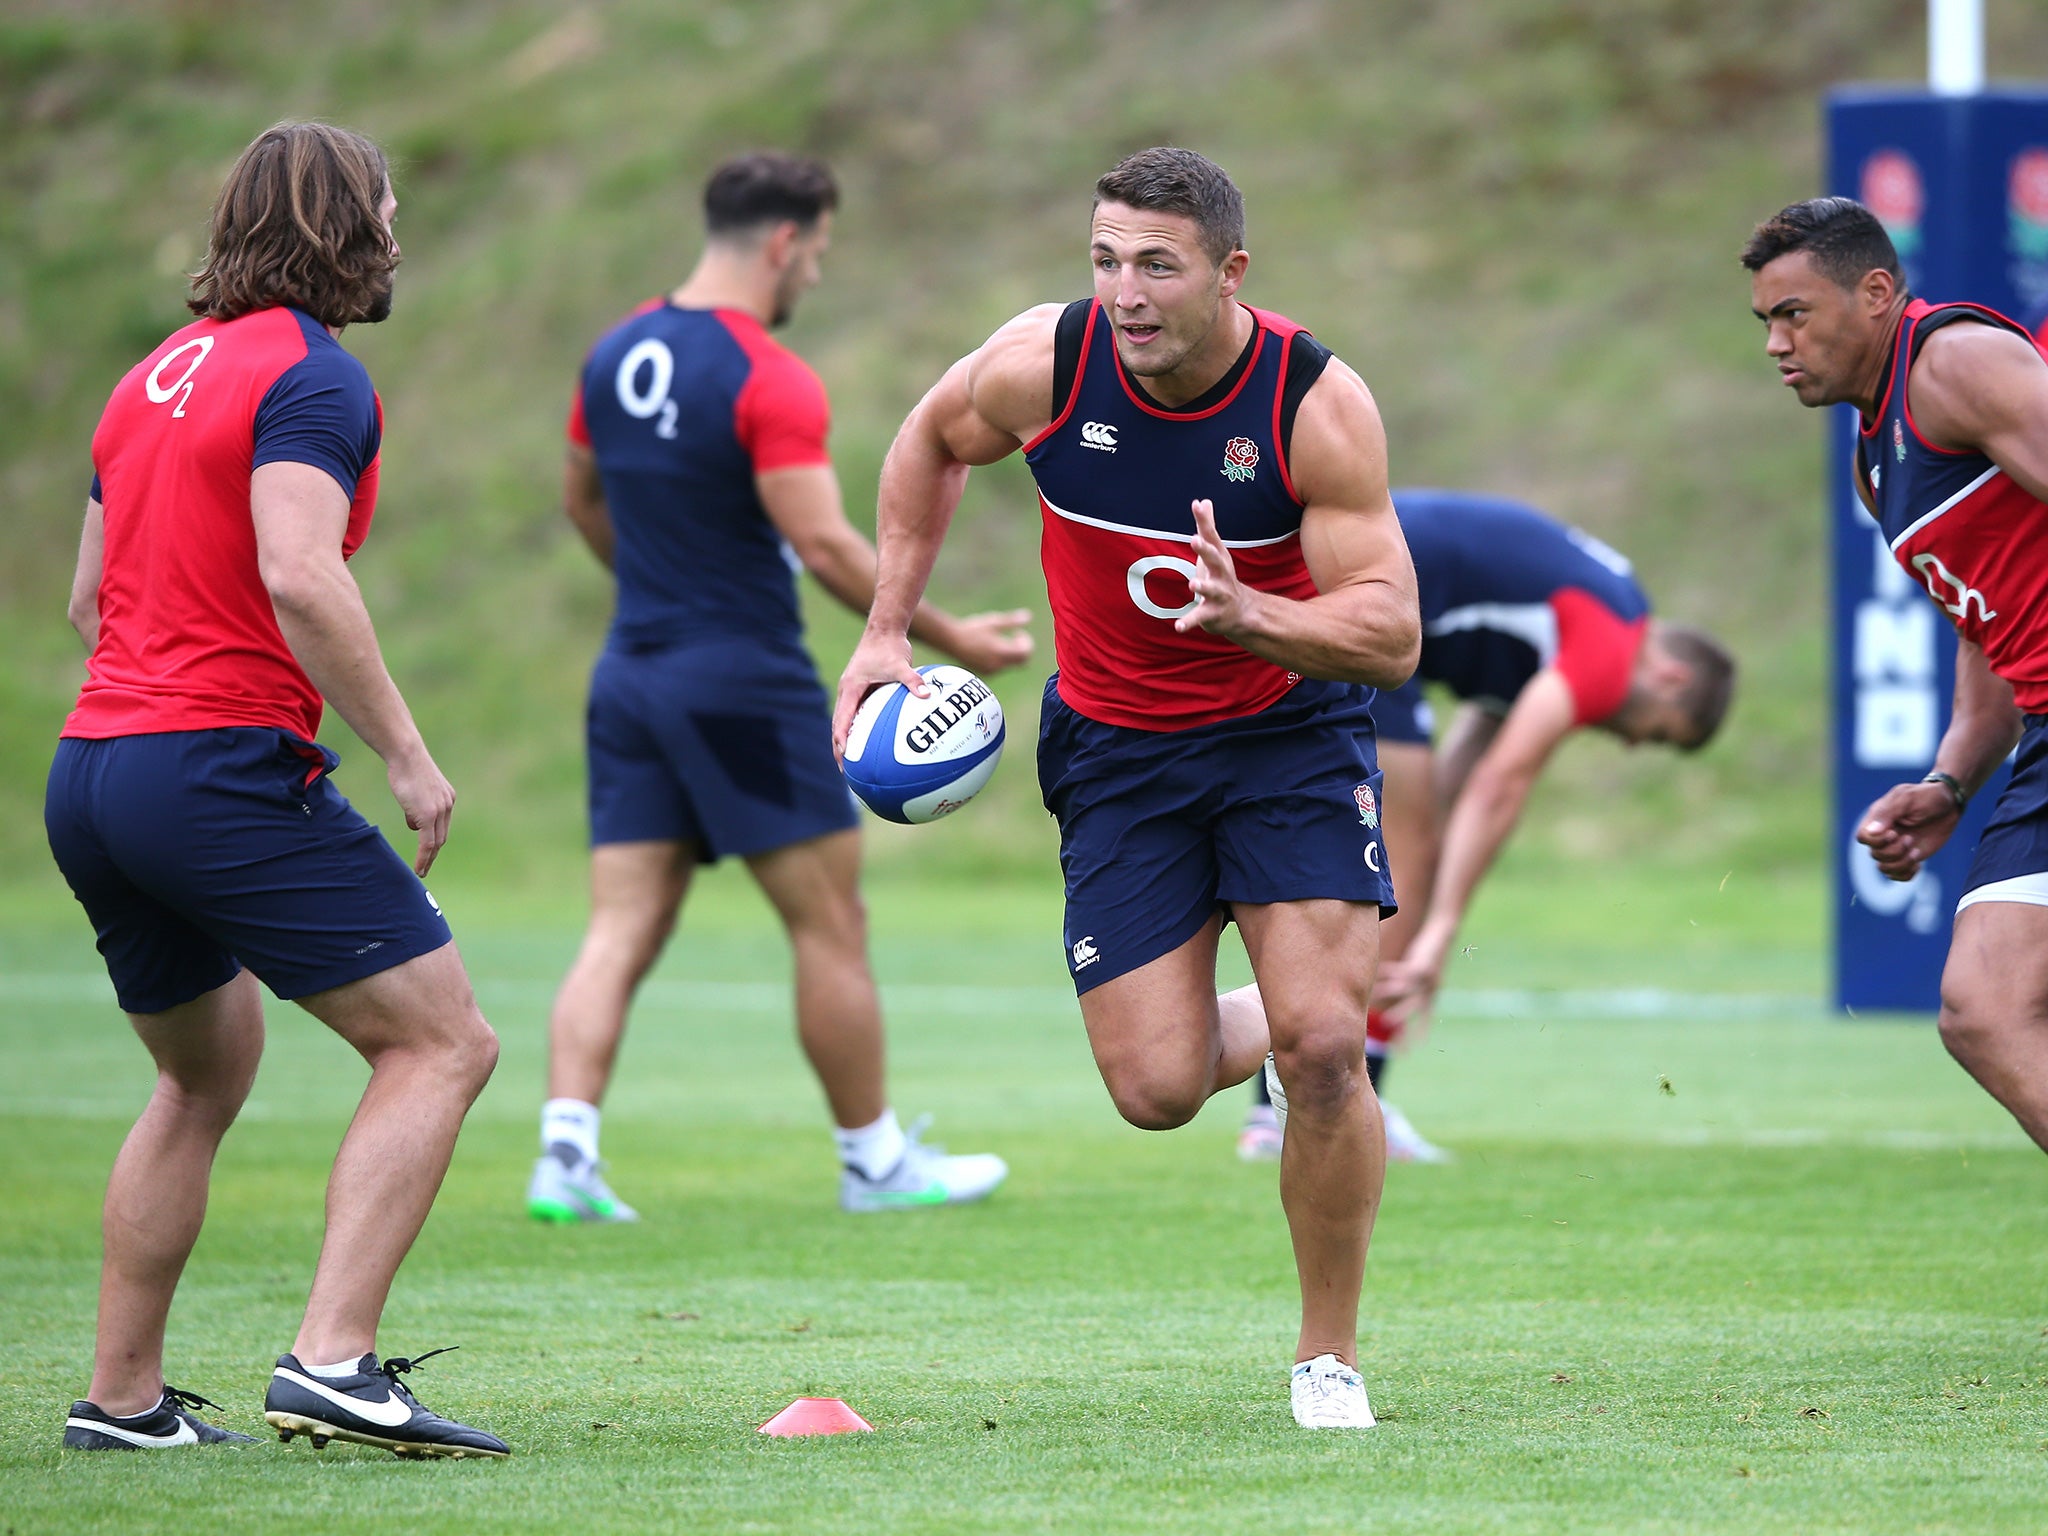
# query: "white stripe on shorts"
x,y
2031,890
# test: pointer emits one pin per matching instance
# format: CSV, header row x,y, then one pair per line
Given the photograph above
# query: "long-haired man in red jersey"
x,y
1228,584
1952,462
191,807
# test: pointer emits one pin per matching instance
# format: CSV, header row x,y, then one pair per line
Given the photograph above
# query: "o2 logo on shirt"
x,y
161,393
1134,580
652,401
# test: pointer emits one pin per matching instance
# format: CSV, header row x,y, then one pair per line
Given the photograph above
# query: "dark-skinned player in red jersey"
x,y
1228,584
697,472
1952,462
191,809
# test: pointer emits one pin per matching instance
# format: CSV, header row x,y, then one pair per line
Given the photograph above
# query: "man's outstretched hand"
x,y
985,643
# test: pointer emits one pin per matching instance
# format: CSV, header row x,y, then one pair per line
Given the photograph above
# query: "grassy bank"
x,y
1517,221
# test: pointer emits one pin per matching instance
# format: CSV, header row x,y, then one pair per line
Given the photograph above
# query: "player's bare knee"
x,y
842,925
1154,1101
204,1105
629,944
1967,1030
474,1049
1322,1070
838,921
448,1036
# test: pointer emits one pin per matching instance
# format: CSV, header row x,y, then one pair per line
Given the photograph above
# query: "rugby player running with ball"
x,y
1228,584
1952,462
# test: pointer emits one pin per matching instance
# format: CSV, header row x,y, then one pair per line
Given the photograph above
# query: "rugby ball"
x,y
914,760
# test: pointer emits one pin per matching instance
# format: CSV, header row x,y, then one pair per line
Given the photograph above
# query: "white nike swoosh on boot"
x,y
186,1434
390,1413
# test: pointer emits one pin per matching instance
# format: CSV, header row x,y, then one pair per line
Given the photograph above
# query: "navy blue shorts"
x,y
198,852
1403,714
2011,861
1158,829
727,746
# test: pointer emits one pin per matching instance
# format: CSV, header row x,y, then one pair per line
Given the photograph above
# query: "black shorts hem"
x,y
1165,943
785,837
385,957
130,1003
611,838
747,848
1384,900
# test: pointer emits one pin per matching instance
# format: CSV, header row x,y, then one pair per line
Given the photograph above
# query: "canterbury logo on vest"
x,y
1098,434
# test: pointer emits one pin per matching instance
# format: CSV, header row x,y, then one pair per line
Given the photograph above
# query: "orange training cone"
x,y
816,1416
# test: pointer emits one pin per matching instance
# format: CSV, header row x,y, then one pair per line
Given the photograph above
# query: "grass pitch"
x,y
1709,1262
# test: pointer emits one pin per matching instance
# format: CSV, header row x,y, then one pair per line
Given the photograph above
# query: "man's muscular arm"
x,y
803,503
986,407
1364,625
300,515
1981,388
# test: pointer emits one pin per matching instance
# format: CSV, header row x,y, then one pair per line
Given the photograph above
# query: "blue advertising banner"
x,y
1961,184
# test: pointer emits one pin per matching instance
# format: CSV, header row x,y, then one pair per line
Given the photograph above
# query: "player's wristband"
x,y
1953,784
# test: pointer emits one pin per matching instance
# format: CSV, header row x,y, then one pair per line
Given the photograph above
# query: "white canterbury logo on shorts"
x,y
1098,434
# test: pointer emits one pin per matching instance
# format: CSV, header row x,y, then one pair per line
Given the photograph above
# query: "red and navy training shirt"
x,y
1960,525
188,639
682,408
1507,591
1117,472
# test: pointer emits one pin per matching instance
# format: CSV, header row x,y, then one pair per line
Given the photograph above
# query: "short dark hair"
x,y
1168,180
767,187
1843,238
1711,687
296,223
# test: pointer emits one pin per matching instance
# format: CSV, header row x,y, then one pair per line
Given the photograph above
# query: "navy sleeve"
x,y
95,493
322,412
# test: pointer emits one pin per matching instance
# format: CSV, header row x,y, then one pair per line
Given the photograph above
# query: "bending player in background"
x,y
697,472
1952,462
1538,629
1227,579
190,806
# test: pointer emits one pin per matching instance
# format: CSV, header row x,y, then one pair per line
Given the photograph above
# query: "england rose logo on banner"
x,y
2026,207
1368,807
1891,188
1240,458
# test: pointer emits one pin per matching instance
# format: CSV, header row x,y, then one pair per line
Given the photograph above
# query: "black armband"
x,y
1954,786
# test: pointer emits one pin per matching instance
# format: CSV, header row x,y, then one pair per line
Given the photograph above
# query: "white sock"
x,y
336,1372
569,1120
872,1150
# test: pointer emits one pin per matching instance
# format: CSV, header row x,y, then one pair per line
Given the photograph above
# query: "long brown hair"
x,y
296,223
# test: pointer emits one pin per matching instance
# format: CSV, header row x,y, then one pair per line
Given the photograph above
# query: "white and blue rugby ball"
x,y
914,760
